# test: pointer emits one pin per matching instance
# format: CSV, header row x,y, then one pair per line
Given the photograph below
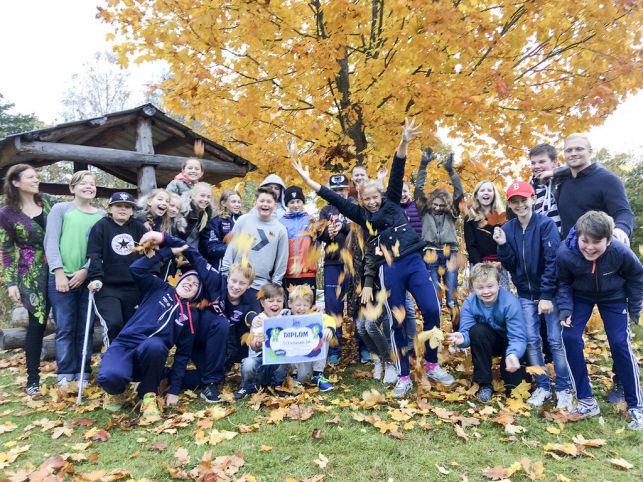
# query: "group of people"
x,y
170,270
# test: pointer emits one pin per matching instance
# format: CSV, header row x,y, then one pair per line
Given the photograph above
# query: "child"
x,y
164,319
198,212
253,373
485,213
396,237
301,301
66,237
543,159
527,248
214,240
178,224
154,210
596,269
358,177
269,253
224,296
110,254
491,322
439,212
335,236
186,180
276,184
301,269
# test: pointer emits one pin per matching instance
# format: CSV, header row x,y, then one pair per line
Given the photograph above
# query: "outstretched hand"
x,y
304,173
427,155
177,251
411,130
448,163
154,237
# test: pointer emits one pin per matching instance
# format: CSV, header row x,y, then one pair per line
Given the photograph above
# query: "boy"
x,y
110,254
301,269
543,159
223,295
165,318
492,324
527,248
594,268
253,373
301,301
269,252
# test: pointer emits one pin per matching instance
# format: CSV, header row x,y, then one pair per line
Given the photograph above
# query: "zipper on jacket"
x,y
595,274
525,262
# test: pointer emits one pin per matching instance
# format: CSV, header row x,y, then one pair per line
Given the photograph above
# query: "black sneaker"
x,y
243,393
33,390
211,393
616,394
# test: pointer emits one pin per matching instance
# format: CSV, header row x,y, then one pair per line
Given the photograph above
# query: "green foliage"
x,y
14,123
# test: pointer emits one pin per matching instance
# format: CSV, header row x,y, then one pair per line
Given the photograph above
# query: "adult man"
x,y
591,187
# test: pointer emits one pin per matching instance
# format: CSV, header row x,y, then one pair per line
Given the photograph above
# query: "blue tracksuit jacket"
x,y
506,318
617,275
530,256
211,242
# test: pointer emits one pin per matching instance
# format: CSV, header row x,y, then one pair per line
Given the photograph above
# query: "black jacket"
x,y
388,226
211,241
108,250
479,242
331,214
595,188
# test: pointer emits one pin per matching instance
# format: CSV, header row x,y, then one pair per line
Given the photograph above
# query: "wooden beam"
x,y
145,145
63,190
115,157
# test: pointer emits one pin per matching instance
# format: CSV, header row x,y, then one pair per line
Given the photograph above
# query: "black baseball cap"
x,y
338,181
122,197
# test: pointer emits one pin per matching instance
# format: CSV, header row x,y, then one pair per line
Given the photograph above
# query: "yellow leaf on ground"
x,y
621,464
217,436
265,448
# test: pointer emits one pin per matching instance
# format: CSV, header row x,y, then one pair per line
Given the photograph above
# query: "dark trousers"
x,y
485,344
33,347
236,351
409,273
334,298
619,337
312,282
123,364
208,352
117,304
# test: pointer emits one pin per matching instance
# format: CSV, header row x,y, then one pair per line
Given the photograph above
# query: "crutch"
x,y
88,321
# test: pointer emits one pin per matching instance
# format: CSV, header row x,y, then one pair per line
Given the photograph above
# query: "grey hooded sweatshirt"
x,y
280,210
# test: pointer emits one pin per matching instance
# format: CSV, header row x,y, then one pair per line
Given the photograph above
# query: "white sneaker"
x,y
402,387
377,369
636,415
390,374
440,375
564,400
538,397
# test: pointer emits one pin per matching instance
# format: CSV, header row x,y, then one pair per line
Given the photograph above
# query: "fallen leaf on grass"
x,y
60,431
159,446
442,470
316,434
564,449
97,435
86,422
7,426
514,429
182,456
621,464
265,448
459,431
277,415
299,412
597,442
217,436
322,461
371,398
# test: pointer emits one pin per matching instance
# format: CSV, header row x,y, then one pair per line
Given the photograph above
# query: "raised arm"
x,y
396,180
142,270
211,278
420,178
458,191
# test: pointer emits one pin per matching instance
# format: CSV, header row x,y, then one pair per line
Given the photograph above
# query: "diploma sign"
x,y
294,339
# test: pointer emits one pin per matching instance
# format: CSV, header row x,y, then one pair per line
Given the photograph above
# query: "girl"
x,y
213,241
177,221
68,226
184,181
154,210
22,232
392,234
485,213
198,212
110,255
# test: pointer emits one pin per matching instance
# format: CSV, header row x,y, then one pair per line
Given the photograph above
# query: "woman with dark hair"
x,y
22,232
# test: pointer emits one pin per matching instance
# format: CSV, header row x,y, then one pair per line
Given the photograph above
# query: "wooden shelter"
x,y
142,146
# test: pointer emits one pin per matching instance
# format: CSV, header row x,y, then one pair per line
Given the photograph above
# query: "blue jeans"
x,y
449,278
255,374
70,312
535,347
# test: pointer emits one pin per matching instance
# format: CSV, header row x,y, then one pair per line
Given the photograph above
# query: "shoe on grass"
x,y
586,408
113,403
484,393
211,393
616,394
323,383
539,397
244,392
33,390
150,412
440,375
636,415
564,400
402,387
377,369
390,374
365,356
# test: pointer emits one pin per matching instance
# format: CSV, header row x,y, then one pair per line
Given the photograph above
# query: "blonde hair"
x,y
303,292
476,212
201,185
144,204
225,195
78,176
579,135
175,197
484,271
369,183
244,269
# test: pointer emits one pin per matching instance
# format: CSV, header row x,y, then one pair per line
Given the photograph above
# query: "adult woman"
x,y
22,233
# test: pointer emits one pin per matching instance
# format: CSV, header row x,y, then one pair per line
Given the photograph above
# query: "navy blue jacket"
x,y
530,256
617,275
331,214
593,189
161,314
211,241
389,221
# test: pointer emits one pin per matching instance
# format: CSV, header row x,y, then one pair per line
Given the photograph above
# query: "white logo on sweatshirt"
x,y
122,244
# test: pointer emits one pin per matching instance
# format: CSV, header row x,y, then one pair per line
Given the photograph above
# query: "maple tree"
x,y
333,80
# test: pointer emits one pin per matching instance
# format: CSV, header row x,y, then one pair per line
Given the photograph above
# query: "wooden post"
x,y
145,145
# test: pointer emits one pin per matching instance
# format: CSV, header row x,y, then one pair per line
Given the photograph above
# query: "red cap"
x,y
520,188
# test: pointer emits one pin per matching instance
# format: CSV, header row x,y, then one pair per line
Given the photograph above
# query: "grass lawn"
x,y
345,436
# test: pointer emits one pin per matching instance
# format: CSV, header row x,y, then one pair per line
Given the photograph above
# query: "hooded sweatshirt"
x,y
268,253
280,210
110,251
180,184
162,314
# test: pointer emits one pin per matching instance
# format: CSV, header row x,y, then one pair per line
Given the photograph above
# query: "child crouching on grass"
x,y
254,373
596,269
300,301
492,323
